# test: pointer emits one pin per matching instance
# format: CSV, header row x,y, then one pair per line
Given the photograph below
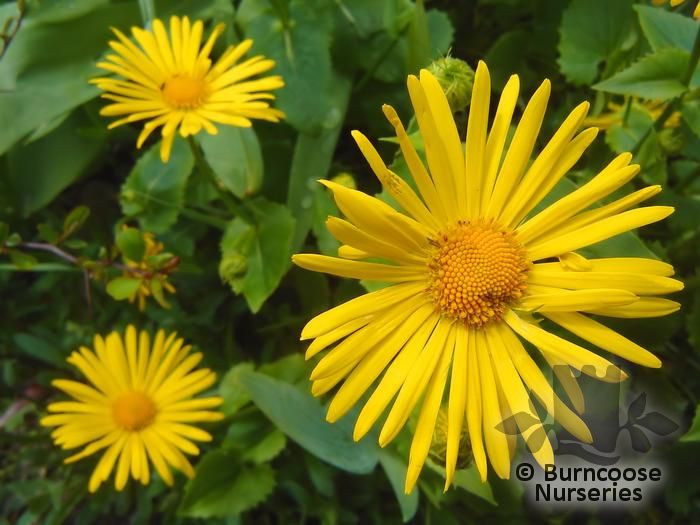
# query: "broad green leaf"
x,y
591,31
235,157
656,76
39,171
691,115
130,242
666,29
418,55
440,32
300,48
223,487
395,470
302,419
154,192
313,154
121,288
266,248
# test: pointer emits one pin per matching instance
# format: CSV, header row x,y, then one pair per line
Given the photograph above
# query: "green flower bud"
x,y
438,448
671,140
457,80
232,266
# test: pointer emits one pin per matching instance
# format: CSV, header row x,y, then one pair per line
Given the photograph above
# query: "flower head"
x,y
170,80
474,267
616,115
137,406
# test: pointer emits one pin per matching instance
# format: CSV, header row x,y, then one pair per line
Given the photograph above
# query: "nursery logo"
x,y
613,469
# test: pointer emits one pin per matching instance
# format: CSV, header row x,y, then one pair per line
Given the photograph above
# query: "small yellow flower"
x,y
473,267
137,406
154,281
616,115
170,81
674,3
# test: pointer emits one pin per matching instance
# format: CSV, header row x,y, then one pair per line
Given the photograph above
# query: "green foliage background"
x,y
274,459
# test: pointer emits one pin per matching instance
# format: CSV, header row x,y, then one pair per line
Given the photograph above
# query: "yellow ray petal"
x,y
374,363
572,354
477,126
570,301
599,231
497,137
494,438
603,337
644,308
638,283
416,381
475,406
360,306
538,384
619,264
519,151
425,427
359,269
394,378
323,341
457,402
568,381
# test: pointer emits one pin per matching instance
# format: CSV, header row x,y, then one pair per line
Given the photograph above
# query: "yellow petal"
x,y
571,301
638,283
644,308
457,402
476,143
358,269
603,337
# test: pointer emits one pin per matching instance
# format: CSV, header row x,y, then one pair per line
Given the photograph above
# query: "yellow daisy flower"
x,y
170,81
138,405
473,269
674,3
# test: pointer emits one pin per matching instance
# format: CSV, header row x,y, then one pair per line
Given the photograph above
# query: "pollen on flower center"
x,y
476,270
133,411
184,92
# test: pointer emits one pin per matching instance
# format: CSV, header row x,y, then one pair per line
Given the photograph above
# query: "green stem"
x,y
148,11
235,206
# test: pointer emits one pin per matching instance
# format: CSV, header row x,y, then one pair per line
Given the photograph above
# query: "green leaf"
x,y
418,54
39,171
691,115
302,419
22,260
223,487
666,29
130,242
300,47
469,480
121,288
266,247
39,348
38,88
154,192
693,433
266,449
440,32
312,159
235,156
656,76
232,390
591,31
624,135
75,220
47,233
395,470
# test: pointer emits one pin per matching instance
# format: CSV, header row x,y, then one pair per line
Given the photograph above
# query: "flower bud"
x,y
457,80
232,266
671,140
438,448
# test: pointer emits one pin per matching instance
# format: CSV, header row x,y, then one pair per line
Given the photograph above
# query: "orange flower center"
x,y
476,270
133,411
184,92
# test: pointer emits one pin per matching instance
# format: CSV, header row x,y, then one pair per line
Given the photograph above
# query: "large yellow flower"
x,y
170,81
138,406
474,269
